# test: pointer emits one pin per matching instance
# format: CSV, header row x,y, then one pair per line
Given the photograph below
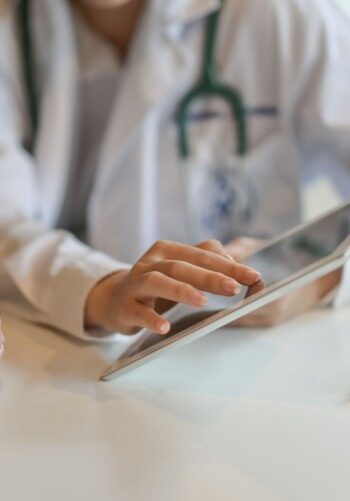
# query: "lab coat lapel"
x,y
161,67
170,61
58,110
185,11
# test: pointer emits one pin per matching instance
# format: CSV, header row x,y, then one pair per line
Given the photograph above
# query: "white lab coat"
x,y
292,55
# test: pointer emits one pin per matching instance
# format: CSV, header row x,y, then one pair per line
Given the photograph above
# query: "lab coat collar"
x,y
162,65
187,11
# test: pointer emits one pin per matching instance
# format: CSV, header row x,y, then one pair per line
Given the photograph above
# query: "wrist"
x,y
98,301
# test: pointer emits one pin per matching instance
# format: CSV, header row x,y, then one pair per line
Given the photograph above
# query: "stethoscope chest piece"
x,y
219,197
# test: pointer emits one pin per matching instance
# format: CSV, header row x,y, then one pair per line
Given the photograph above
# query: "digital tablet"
x,y
294,259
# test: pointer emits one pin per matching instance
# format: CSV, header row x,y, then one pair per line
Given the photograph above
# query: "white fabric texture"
x,y
288,55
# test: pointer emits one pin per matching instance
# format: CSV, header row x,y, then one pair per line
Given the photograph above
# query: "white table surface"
x,y
238,415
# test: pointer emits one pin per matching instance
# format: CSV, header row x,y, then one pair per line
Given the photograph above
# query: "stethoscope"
x,y
28,64
211,85
208,85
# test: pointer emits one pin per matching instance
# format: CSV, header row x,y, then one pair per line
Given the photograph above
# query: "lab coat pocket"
x,y
256,194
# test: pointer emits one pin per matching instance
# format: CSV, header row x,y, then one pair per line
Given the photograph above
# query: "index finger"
x,y
204,259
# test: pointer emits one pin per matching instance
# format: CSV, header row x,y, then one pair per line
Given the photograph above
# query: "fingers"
x,y
271,315
146,318
216,247
202,258
282,310
201,279
155,284
255,321
177,273
259,286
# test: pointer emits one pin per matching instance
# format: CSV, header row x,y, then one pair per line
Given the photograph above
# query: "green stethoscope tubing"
x,y
209,84
27,56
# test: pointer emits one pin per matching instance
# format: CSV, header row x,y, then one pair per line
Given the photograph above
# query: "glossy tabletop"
x,y
238,415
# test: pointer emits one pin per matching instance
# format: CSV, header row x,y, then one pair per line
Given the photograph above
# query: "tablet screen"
x,y
276,262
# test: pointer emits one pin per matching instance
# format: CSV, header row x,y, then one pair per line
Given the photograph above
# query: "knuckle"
x,y
182,291
212,244
210,282
150,277
138,269
160,246
172,268
179,290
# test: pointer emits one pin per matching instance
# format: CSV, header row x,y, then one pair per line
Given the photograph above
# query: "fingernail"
x,y
163,327
199,299
230,286
253,275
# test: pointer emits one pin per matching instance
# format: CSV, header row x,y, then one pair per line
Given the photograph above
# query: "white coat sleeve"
x,y
315,82
45,275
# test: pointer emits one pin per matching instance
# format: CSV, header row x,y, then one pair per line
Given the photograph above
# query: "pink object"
x,y
2,341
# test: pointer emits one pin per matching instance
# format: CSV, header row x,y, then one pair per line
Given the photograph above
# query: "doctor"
x,y
105,164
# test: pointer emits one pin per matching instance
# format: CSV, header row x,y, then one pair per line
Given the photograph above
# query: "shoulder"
x,y
290,8
288,17
295,32
274,48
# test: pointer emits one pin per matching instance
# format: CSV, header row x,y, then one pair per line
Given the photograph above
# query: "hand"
x,y
127,300
292,304
289,306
